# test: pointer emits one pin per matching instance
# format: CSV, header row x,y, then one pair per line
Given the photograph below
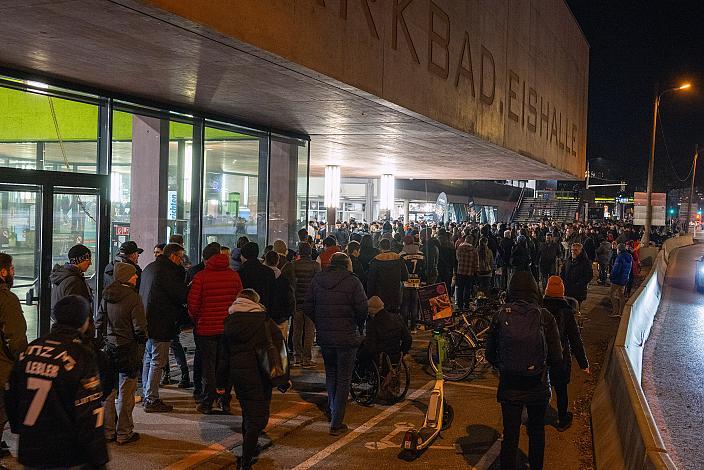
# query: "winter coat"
x,y
110,270
505,250
590,248
485,260
304,270
548,254
621,271
69,280
359,270
192,271
570,338
387,271
13,331
603,253
326,256
255,275
212,292
164,295
235,260
447,261
366,256
120,319
386,333
68,432
243,336
576,274
520,256
431,251
520,388
467,260
338,306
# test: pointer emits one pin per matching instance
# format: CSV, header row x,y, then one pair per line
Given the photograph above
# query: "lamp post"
x,y
691,189
651,163
388,196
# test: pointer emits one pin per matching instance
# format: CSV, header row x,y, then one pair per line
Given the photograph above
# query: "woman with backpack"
x,y
571,340
523,341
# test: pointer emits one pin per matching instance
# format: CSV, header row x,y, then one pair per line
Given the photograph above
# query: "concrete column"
x,y
406,211
147,217
369,201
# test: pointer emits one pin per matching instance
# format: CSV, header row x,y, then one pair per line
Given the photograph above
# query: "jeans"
x,y
618,298
118,416
410,306
255,416
339,364
603,272
197,370
511,413
156,355
465,284
209,347
303,333
562,399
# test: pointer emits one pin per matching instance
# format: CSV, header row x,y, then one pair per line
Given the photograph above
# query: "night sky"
x,y
637,46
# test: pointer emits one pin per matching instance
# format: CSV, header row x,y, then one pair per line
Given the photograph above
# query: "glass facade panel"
x,y
233,201
289,159
41,132
178,212
75,221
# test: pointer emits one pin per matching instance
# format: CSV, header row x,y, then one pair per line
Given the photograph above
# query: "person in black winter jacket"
x,y
67,430
576,273
255,275
68,279
338,306
243,336
164,295
571,340
523,390
386,333
129,253
520,254
387,271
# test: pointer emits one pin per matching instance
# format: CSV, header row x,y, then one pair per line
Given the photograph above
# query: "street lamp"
x,y
651,163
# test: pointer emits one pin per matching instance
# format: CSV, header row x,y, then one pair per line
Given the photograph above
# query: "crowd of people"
x,y
351,288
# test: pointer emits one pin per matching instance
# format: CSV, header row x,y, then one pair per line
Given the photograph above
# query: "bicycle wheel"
x,y
480,324
365,383
404,382
461,357
448,415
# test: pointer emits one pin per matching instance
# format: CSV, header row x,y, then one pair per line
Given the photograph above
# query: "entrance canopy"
x,y
488,119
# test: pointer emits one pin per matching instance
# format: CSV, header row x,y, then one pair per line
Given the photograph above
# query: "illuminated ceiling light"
x,y
332,186
387,192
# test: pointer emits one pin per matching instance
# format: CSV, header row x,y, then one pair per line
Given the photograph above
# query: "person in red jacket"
x,y
212,292
331,247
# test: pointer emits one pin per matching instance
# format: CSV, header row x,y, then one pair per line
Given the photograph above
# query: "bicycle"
x,y
370,378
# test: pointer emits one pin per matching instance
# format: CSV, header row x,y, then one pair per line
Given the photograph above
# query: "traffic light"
x,y
672,211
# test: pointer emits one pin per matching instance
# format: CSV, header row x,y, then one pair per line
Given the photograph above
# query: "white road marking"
x,y
490,457
386,441
469,385
358,431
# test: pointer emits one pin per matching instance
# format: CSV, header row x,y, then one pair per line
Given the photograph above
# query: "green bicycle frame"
x,y
442,350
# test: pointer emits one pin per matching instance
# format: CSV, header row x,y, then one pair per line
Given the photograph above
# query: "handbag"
x,y
273,358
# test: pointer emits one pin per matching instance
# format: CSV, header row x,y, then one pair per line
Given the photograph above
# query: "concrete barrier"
x,y
624,431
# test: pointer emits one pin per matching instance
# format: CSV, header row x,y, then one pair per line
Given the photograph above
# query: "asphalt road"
x,y
673,362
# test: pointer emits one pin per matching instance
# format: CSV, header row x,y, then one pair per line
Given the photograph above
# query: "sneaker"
x,y
157,406
310,364
133,438
564,423
204,408
185,384
3,445
339,431
4,453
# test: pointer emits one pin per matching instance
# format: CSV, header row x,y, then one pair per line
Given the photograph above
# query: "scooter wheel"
x,y
448,415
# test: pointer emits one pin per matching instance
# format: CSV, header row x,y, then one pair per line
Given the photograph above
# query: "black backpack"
x,y
522,347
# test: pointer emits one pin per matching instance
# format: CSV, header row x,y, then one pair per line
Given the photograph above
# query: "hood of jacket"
x,y
555,303
244,326
219,262
277,271
330,279
116,292
387,256
245,305
63,272
523,288
411,249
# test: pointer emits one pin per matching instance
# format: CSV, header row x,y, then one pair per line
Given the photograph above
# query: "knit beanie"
x,y
375,305
78,253
71,311
123,272
555,287
250,250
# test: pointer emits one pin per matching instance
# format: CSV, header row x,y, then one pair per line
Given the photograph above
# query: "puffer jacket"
x,y
212,292
570,338
120,319
386,273
326,255
386,333
235,259
304,269
67,280
243,335
603,253
576,274
14,331
163,291
338,306
621,272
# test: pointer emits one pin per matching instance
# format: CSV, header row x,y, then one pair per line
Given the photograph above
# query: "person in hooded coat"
x,y
244,335
338,306
571,340
576,273
68,279
518,391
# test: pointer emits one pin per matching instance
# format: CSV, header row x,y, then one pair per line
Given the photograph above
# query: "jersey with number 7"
x,y
54,403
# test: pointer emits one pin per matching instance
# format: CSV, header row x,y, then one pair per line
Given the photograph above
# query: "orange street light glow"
x,y
685,86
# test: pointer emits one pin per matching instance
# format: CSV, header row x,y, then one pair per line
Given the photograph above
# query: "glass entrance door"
x,y
20,237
